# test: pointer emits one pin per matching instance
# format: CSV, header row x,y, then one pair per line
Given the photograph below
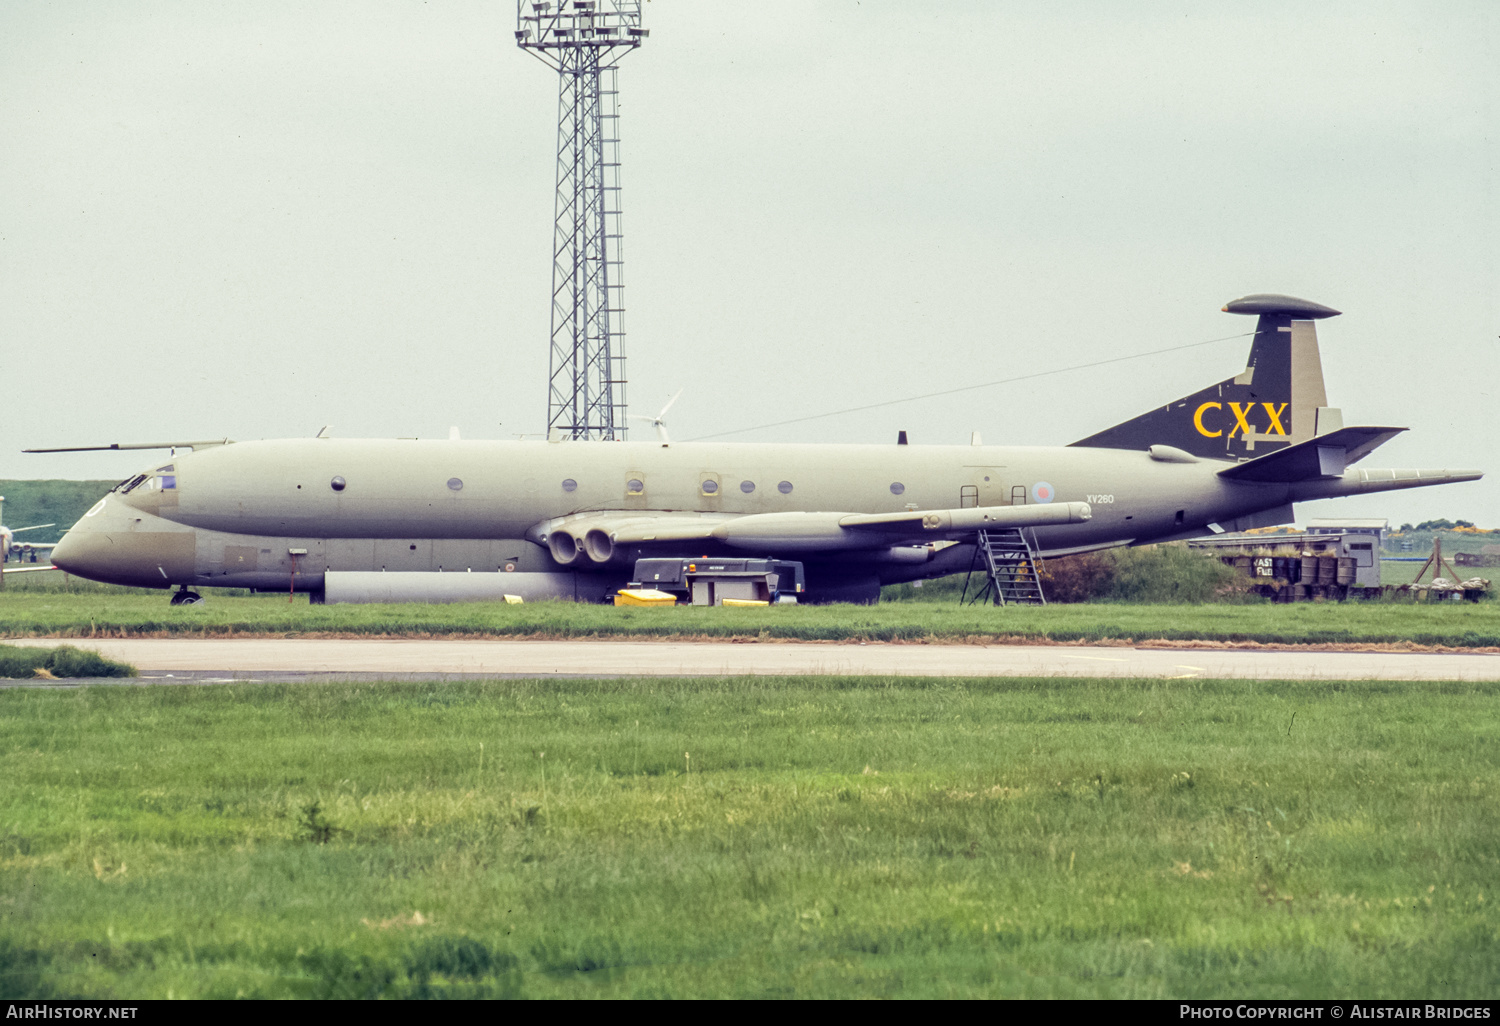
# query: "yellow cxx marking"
x,y
1242,423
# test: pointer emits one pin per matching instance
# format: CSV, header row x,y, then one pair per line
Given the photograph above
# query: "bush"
x,y
1172,573
63,661
1152,574
1081,578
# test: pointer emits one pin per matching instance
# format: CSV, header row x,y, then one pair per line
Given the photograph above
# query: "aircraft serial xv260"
x,y
409,520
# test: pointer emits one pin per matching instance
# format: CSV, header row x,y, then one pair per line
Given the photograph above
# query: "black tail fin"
x,y
1273,403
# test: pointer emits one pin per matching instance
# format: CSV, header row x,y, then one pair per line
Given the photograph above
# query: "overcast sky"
x,y
256,219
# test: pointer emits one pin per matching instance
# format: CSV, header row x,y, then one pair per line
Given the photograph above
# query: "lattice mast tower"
x,y
583,40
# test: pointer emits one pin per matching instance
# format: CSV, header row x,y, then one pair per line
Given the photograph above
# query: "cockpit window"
x,y
165,470
132,484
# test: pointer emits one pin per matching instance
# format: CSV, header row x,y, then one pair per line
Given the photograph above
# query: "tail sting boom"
x,y
1273,403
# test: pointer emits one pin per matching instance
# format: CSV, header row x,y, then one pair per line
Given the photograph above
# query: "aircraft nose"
x,y
78,550
135,551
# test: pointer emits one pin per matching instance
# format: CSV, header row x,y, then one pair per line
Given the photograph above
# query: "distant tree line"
x,y
49,502
1436,525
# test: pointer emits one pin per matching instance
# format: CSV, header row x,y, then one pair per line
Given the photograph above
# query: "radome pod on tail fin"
x,y
1273,403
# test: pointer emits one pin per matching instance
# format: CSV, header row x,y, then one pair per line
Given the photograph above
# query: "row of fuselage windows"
x,y
633,486
709,486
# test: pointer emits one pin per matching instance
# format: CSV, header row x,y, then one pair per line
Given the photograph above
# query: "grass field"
x,y
17,661
94,614
751,837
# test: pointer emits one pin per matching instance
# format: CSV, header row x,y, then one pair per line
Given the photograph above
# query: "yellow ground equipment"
x,y
645,597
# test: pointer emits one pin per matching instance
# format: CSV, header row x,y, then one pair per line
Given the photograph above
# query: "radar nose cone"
x,y
84,551
64,553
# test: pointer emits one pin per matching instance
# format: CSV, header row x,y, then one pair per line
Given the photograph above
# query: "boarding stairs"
x,y
1008,559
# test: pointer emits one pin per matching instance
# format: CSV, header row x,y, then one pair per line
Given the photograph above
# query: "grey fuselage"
x,y
267,514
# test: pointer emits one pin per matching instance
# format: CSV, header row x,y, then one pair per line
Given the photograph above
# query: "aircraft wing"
x,y
1324,456
139,445
597,534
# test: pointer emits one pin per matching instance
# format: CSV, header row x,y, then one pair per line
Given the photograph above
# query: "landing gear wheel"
x,y
186,598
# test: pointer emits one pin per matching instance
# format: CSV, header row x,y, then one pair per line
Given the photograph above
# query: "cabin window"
x,y
747,487
635,486
455,484
897,487
337,484
569,485
785,488
710,487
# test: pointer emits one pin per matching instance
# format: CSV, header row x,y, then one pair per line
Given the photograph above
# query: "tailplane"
x,y
1278,400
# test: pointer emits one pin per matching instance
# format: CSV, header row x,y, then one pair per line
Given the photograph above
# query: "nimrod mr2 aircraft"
x,y
410,520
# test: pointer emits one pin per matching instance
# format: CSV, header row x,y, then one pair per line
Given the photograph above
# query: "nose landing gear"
x,y
185,597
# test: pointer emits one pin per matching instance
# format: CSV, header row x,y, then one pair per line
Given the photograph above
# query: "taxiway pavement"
x,y
223,659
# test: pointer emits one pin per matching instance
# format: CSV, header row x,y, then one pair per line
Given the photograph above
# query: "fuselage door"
x,y
989,486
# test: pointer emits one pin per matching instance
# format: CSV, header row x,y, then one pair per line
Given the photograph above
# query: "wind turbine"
x,y
660,420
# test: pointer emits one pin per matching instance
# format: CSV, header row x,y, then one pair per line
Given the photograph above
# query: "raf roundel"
x,y
1042,491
